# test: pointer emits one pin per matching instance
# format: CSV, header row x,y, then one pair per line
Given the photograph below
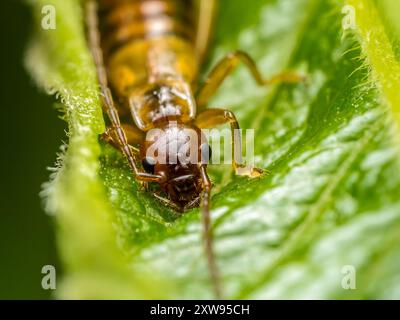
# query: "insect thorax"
x,y
152,103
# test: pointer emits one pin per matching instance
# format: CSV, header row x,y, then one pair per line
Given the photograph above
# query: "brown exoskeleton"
x,y
149,52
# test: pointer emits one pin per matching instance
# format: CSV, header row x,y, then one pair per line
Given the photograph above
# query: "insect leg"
x,y
227,65
192,204
107,136
214,117
168,202
133,135
107,100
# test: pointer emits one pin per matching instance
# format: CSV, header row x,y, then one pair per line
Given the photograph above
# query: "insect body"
x,y
147,54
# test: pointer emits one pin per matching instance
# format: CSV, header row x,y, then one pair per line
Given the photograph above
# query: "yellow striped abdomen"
x,y
146,42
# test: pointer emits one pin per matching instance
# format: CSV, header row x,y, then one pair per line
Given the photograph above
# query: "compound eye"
x,y
205,150
148,164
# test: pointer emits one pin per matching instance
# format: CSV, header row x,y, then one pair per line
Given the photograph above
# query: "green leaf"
x,y
331,199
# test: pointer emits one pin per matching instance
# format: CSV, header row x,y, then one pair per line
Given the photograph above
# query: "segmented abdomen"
x,y
147,40
123,21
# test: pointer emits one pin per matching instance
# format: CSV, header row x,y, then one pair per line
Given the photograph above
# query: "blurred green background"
x,y
32,134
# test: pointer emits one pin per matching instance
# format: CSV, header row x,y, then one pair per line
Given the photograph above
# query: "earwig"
x,y
147,55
